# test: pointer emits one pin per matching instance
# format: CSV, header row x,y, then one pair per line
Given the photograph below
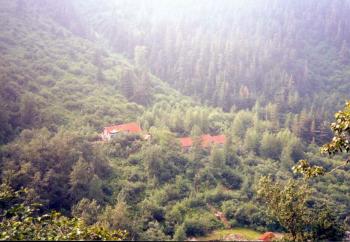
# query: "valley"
x,y
163,118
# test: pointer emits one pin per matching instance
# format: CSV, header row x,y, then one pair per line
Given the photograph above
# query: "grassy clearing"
x,y
248,234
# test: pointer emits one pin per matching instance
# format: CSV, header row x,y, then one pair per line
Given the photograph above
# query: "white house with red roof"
x,y
112,131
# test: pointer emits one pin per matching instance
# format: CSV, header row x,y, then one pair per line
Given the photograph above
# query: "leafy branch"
x,y
340,143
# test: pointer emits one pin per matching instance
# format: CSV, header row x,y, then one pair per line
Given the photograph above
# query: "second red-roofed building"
x,y
186,142
206,141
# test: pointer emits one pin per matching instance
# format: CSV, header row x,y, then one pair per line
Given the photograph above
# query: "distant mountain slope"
x,y
234,53
52,77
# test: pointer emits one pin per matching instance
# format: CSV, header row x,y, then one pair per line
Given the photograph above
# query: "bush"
x,y
201,224
231,180
271,146
133,193
194,227
249,215
19,220
217,196
180,233
229,208
206,179
196,202
134,159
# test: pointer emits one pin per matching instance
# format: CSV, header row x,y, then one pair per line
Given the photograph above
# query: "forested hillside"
x,y
268,75
52,78
237,52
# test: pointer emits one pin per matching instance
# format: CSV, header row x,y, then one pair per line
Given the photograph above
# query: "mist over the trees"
x,y
231,99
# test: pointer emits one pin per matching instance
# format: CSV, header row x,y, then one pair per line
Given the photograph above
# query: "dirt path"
x,y
219,215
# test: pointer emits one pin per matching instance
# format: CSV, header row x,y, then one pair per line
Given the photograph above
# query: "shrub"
x,y
231,180
201,224
194,227
180,233
229,208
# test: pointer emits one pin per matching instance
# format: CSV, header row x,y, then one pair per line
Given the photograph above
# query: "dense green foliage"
x,y
340,143
68,69
234,53
288,203
341,129
22,221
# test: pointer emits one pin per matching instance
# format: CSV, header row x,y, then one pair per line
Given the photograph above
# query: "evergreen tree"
x,y
140,57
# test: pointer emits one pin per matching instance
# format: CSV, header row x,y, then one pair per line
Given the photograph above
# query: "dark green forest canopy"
x,y
237,52
267,74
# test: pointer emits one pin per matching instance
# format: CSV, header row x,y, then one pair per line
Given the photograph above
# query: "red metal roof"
x,y
186,142
219,139
129,127
206,140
